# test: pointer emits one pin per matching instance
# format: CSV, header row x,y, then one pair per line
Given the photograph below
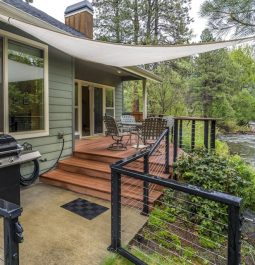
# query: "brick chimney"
x,y
80,17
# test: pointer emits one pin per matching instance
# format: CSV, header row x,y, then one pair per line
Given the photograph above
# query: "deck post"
x,y
180,134
116,212
193,134
145,99
167,152
176,123
206,134
234,235
146,187
213,134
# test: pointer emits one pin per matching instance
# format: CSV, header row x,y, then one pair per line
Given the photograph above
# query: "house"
x,y
45,93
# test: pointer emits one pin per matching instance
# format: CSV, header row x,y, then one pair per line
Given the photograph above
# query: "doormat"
x,y
84,208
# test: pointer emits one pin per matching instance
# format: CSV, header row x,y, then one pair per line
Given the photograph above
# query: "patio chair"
x,y
113,130
151,130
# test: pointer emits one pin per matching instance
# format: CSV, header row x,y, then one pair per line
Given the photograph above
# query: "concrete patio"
x,y
54,236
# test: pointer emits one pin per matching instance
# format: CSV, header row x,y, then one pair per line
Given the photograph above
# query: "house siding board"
x,y
61,85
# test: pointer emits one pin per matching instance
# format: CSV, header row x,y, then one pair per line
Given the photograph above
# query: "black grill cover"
x,y
8,143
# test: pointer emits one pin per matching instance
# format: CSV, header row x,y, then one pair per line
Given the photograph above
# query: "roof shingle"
x,y
29,9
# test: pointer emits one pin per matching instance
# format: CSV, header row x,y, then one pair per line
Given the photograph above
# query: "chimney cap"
x,y
78,7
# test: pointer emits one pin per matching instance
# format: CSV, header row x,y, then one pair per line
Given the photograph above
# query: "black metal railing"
x,y
12,232
185,130
145,206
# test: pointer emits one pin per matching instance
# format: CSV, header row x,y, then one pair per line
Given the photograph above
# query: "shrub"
x,y
211,171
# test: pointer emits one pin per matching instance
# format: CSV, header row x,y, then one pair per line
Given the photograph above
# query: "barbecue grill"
x,y
11,157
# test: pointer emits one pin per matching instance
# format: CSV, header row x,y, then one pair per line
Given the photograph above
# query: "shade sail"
x,y
116,54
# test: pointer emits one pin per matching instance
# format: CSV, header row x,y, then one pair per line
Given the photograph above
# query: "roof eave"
x,y
144,74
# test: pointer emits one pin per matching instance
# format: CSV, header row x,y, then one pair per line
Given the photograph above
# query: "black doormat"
x,y
85,208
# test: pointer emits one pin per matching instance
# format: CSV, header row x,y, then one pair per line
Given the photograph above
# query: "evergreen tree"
x,y
230,16
215,78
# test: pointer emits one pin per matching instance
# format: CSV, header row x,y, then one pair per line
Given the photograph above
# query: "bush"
x,y
228,174
211,171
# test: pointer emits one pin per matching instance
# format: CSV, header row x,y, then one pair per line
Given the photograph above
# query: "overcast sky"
x,y
56,9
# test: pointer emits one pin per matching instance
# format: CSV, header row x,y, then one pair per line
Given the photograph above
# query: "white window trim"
x,y
110,108
29,134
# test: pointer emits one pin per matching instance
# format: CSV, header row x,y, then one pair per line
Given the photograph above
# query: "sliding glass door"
x,y
98,110
86,111
92,101
1,88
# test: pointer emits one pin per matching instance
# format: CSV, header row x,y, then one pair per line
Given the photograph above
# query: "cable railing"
x,y
12,233
187,134
174,227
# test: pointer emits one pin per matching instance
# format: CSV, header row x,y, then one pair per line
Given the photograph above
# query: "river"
x,y
242,144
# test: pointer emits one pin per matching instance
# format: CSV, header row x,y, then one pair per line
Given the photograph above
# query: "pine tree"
x,y
230,16
215,78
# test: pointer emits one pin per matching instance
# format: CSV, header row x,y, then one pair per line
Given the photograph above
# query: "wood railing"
x,y
209,134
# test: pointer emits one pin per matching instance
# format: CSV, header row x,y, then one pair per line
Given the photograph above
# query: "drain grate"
x,y
84,208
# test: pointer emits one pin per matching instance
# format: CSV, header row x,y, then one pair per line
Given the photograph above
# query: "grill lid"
x,y
9,146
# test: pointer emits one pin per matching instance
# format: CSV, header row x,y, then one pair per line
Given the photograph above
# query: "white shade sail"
x,y
116,54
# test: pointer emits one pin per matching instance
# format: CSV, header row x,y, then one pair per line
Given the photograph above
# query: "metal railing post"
x,y
12,231
116,211
213,134
146,187
234,235
175,139
206,134
180,134
167,152
193,135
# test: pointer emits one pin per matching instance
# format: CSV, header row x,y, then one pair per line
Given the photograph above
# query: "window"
x,y
1,88
25,88
109,102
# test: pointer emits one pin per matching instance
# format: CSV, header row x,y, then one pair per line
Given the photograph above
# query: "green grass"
x,y
153,259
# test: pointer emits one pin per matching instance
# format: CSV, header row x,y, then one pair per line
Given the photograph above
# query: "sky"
x,y
56,9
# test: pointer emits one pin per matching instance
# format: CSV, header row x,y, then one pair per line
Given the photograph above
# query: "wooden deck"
x,y
98,147
88,170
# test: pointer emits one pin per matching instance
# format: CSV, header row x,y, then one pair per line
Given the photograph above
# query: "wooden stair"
x,y
90,174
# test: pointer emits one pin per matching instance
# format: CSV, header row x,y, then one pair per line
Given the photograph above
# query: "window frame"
x,y
114,107
25,134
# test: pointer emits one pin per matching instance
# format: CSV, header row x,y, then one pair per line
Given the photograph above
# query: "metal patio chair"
x,y
113,130
150,131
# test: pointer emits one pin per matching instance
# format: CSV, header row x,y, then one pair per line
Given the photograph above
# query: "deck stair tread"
x,y
97,165
85,163
97,184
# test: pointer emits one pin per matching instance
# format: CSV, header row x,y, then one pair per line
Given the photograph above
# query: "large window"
x,y
1,88
109,102
25,88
